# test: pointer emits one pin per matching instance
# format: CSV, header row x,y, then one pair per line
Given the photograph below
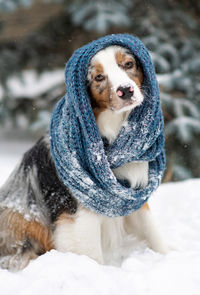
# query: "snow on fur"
x,y
76,143
176,207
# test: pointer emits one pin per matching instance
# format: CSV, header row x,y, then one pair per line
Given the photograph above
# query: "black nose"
x,y
125,92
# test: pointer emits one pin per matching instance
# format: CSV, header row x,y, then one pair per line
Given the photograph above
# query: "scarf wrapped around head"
x,y
83,162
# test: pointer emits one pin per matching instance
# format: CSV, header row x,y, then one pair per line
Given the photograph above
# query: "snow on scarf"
x,y
82,160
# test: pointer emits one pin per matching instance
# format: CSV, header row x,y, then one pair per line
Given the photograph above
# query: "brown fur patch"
x,y
122,58
98,69
100,92
16,229
146,206
64,217
135,73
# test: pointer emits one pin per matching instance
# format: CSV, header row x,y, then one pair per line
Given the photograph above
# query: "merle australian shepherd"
x,y
34,216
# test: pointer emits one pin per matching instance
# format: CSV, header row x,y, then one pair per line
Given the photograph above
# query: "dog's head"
x,y
114,80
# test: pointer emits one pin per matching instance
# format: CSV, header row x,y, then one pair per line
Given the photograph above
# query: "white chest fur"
x,y
109,124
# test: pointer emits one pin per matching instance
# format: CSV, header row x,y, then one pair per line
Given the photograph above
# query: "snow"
x,y
10,154
176,207
99,16
186,123
31,85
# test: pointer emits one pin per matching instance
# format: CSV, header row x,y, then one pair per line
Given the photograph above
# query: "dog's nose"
x,y
125,92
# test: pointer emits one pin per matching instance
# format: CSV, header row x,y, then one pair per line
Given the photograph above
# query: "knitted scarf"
x,y
83,161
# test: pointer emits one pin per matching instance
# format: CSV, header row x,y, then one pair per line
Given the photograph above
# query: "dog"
x,y
35,219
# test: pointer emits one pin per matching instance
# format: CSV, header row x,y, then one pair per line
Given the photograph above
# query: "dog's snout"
x,y
125,92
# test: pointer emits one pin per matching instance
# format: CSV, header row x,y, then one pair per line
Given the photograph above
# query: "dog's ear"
x,y
139,70
92,100
138,65
88,84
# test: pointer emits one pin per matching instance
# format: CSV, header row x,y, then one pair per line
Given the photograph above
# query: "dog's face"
x,y
115,79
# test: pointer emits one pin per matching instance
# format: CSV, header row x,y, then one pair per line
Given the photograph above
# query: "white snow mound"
x,y
176,207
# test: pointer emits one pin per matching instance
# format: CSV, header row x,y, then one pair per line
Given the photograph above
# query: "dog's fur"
x,y
34,216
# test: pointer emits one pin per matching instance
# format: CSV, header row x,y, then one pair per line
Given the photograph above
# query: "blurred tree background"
x,y
38,36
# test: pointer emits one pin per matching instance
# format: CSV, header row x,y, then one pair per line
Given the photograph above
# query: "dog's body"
x,y
33,216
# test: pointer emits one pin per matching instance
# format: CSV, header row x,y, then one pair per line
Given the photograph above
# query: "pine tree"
x,y
10,5
170,33
99,16
177,63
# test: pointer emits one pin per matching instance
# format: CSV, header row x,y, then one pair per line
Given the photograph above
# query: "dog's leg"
x,y
18,261
21,240
141,223
80,234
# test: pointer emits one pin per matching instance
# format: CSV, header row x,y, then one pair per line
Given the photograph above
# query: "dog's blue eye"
x,y
99,78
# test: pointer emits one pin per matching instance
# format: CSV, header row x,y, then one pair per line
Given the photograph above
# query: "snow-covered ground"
x,y
176,207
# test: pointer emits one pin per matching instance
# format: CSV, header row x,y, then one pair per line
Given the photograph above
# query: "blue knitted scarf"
x,y
82,160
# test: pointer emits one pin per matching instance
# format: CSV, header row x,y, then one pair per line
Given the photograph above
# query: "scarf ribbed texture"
x,y
82,160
